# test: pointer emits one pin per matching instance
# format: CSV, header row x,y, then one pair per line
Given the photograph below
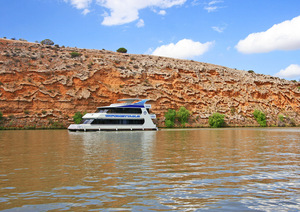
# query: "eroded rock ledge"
x,y
40,84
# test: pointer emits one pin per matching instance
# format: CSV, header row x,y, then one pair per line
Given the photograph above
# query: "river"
x,y
234,169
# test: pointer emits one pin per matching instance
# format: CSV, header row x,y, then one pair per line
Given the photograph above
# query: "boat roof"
x,y
129,103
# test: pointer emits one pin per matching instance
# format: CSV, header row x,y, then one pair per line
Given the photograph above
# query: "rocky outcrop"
x,y
42,84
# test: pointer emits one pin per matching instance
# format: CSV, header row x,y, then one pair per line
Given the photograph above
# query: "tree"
x,y
122,50
77,118
47,42
183,115
216,120
170,118
260,117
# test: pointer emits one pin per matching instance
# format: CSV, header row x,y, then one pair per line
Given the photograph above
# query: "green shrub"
x,y
75,54
281,121
122,50
57,125
281,117
1,115
47,42
169,123
260,117
182,115
170,118
77,118
216,120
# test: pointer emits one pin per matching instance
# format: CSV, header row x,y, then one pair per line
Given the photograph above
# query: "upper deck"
x,y
133,103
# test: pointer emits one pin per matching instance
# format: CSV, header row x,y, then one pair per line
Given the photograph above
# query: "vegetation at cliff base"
x,y
260,117
122,50
181,115
216,120
284,121
281,118
170,118
77,118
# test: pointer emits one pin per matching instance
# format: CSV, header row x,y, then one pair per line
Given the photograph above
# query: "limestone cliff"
x,y
42,84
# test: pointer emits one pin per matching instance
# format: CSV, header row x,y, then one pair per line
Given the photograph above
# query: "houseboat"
x,y
132,114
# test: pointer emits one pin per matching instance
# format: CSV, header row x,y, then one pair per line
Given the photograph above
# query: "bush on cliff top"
x,y
75,54
47,42
122,50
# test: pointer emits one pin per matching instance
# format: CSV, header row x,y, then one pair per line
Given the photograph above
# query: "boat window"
x,y
120,110
87,121
118,121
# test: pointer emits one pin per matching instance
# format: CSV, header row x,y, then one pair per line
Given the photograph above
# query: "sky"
x,y
258,35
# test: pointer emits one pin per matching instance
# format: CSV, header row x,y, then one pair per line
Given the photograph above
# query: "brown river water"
x,y
240,169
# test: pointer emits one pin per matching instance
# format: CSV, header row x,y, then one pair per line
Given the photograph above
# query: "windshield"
x,y
87,121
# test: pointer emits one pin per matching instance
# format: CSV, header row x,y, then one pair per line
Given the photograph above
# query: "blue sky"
x,y
258,35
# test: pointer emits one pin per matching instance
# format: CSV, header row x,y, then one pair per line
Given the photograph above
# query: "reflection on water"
x,y
168,170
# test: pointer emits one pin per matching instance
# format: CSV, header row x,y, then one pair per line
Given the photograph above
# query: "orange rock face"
x,y
41,85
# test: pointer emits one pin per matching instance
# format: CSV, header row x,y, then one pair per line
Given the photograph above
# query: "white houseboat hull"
x,y
89,127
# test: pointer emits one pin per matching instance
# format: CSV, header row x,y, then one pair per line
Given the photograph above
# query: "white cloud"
x,y
85,11
140,23
80,4
214,2
282,36
195,3
162,12
212,6
218,29
126,11
292,71
183,49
